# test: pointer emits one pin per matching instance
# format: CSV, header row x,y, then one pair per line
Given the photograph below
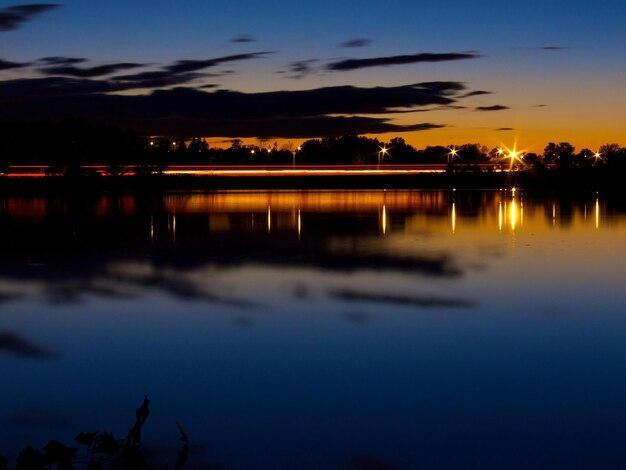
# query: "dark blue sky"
x,y
555,70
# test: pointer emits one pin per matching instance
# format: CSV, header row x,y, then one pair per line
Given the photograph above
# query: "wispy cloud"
x,y
242,39
183,66
354,64
301,68
88,72
358,42
495,107
58,60
14,16
476,93
7,65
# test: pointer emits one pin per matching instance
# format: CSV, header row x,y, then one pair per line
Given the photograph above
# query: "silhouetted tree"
x,y
472,154
561,154
402,152
433,155
534,161
615,156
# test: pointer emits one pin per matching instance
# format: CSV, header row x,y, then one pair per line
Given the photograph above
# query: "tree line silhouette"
x,y
70,147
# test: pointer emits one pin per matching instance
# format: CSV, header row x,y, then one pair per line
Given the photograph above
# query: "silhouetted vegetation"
x,y
99,451
74,148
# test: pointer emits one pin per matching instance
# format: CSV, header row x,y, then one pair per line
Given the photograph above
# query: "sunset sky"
x,y
492,72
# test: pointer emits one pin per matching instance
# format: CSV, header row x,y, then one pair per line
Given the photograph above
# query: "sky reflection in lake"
x,y
320,329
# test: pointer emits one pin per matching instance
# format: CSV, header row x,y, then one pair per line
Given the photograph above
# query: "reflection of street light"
x,y
383,151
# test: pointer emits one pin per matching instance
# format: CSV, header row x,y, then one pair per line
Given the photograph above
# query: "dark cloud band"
x,y
496,107
358,42
185,111
13,17
354,64
183,66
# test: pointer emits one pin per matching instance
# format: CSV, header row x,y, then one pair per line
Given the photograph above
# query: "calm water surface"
x,y
315,330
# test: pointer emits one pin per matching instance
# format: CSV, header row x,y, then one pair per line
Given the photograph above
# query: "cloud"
x,y
156,79
243,38
13,17
358,42
185,111
97,71
57,60
553,48
354,64
301,68
476,93
539,106
504,129
183,66
14,344
495,107
6,65
24,90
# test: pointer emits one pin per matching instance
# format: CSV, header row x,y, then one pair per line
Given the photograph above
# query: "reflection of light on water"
x,y
513,214
597,213
174,226
384,220
269,219
151,228
500,216
553,214
453,217
299,224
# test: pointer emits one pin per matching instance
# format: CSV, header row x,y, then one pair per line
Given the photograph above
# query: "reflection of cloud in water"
x,y
36,418
8,296
369,463
182,287
12,343
358,318
244,321
301,292
396,299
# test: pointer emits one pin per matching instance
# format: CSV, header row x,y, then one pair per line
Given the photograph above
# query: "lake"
x,y
320,329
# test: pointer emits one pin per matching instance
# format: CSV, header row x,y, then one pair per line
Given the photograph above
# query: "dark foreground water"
x,y
320,330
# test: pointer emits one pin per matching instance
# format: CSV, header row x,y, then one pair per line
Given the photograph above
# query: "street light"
x,y
515,155
383,151
597,156
451,154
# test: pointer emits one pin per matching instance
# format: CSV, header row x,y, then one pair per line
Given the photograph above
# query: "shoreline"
x,y
569,181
